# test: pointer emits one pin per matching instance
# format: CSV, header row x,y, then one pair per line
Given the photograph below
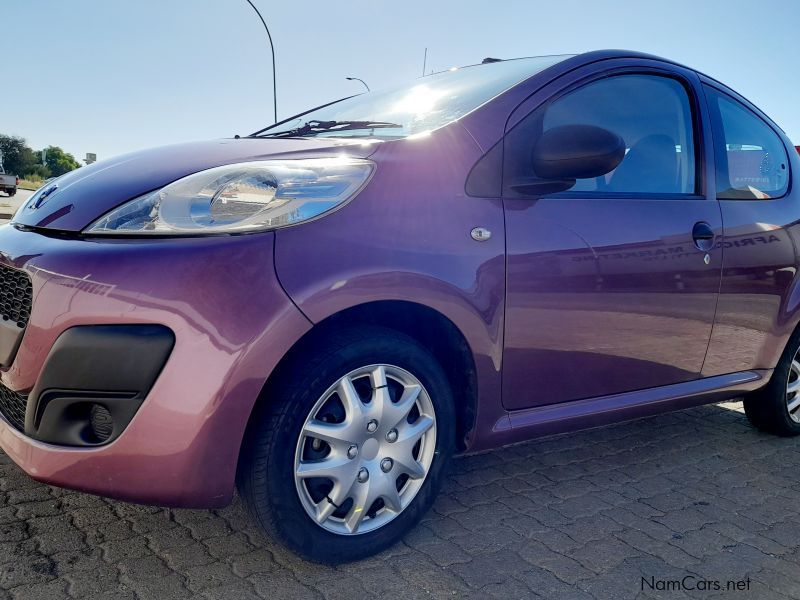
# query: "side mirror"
x,y
563,154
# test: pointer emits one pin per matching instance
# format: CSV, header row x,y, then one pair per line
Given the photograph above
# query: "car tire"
x,y
345,517
775,408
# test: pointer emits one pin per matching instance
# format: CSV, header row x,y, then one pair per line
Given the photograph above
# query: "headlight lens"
x,y
242,197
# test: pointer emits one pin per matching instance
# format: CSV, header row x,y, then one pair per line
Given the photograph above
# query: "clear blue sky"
x,y
113,76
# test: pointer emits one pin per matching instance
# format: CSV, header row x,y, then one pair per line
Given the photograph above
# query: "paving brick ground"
x,y
696,494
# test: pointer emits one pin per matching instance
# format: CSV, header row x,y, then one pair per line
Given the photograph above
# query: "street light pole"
x,y
357,79
272,47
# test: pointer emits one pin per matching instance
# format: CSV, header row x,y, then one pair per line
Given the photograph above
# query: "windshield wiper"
x,y
314,127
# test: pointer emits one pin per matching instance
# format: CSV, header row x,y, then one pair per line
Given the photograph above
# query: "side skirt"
x,y
530,423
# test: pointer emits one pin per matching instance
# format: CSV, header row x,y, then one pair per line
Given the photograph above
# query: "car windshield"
x,y
424,105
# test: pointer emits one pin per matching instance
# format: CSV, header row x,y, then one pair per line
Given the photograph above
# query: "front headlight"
x,y
242,197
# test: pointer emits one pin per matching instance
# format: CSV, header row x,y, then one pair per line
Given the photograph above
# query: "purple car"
x,y
325,311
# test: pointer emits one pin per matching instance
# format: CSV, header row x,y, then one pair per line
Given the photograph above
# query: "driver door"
x,y
611,285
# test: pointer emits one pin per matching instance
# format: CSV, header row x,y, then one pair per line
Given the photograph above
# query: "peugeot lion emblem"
x,y
44,195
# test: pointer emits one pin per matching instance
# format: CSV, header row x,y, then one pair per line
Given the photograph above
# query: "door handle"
x,y
703,236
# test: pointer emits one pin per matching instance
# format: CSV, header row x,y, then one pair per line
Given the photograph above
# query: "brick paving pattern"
x,y
580,516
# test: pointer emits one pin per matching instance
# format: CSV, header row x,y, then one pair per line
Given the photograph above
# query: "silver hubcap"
x,y
365,449
793,389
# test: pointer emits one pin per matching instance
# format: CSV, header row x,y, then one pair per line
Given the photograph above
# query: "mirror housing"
x,y
569,152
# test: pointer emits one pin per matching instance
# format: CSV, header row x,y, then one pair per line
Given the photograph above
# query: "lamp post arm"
x,y
272,48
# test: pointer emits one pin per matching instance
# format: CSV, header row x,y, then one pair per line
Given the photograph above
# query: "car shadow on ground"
x,y
641,509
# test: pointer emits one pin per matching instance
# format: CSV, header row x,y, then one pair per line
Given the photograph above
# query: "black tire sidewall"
x,y
778,383
767,408
288,517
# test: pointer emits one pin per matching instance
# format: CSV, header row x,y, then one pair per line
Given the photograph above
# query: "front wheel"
x,y
350,449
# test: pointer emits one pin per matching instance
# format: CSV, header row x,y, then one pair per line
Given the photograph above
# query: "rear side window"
x,y
751,159
651,113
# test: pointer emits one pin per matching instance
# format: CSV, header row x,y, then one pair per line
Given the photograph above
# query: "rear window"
x,y
752,162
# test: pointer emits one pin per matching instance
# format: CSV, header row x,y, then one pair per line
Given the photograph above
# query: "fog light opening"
x,y
100,422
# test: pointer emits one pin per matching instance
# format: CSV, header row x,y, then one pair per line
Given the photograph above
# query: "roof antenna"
x,y
489,59
424,62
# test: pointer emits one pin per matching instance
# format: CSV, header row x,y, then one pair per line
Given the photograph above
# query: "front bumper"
x,y
231,322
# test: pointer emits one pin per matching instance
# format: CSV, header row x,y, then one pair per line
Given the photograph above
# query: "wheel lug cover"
x,y
363,475
386,465
352,452
391,436
372,426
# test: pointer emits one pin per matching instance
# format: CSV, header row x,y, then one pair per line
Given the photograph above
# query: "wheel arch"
x,y
429,327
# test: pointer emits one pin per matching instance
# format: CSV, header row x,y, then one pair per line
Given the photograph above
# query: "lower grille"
x,y
12,407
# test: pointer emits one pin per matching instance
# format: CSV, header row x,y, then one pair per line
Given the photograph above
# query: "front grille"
x,y
16,294
12,406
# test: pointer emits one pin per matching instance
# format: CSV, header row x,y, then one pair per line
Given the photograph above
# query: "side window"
x,y
751,159
651,114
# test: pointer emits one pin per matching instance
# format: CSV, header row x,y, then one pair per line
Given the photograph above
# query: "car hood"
x,y
86,194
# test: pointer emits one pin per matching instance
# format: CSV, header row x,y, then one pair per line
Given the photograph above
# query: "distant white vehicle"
x,y
8,183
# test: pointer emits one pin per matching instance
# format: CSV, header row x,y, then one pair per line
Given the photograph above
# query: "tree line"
x,y
20,159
